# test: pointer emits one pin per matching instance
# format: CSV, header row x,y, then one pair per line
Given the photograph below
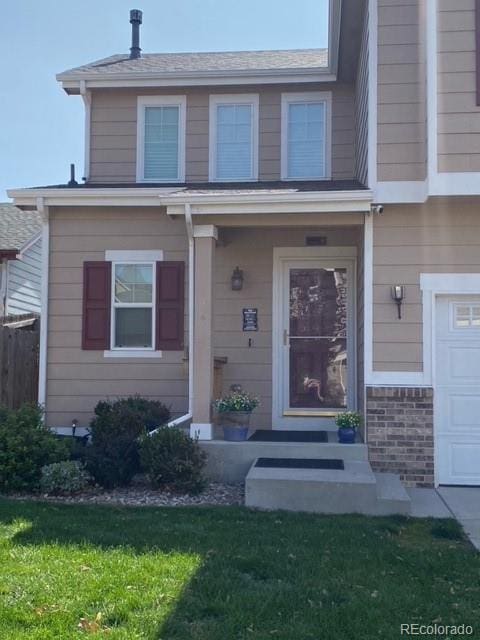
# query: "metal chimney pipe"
x,y
135,21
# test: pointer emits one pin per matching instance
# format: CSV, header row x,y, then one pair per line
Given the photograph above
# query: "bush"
x,y
169,457
64,478
112,457
26,445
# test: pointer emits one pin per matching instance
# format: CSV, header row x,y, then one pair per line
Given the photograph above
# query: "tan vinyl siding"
x,y
361,108
458,113
78,379
114,122
440,236
252,251
402,127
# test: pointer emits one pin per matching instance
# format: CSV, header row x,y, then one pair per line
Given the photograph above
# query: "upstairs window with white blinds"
x,y
233,138
306,130
161,139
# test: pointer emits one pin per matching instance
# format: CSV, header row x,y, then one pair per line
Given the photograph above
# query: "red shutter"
x,y
170,305
97,277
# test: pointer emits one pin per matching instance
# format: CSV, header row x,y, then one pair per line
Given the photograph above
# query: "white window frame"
x,y
308,96
133,257
161,101
251,99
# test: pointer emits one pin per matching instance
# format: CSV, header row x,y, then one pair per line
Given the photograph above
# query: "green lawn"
x,y
227,573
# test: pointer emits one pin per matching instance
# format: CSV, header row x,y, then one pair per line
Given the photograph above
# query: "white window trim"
x,y
308,96
133,257
161,101
232,98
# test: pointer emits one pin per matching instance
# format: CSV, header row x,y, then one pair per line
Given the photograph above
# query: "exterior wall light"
x,y
398,294
237,279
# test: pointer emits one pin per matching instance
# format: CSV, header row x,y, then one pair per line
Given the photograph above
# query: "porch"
x,y
292,332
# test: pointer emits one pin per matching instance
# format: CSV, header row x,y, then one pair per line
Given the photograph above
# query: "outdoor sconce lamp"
x,y
237,279
74,426
398,294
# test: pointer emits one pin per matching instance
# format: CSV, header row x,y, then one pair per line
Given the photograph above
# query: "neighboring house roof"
x,y
17,227
224,61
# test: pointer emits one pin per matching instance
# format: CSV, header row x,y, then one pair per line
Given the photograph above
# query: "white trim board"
x,y
401,191
372,92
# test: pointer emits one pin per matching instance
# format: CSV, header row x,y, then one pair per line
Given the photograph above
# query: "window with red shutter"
x,y
170,306
96,305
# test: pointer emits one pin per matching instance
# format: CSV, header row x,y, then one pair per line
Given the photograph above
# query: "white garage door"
x,y
457,390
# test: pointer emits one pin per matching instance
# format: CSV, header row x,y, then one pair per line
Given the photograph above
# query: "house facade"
x,y
300,223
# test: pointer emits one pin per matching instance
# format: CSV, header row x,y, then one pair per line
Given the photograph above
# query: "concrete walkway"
x,y
464,503
461,503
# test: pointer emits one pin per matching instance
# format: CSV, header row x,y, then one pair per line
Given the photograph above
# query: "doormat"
x,y
299,463
270,435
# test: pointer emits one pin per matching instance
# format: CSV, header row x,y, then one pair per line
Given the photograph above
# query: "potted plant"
x,y
348,423
234,412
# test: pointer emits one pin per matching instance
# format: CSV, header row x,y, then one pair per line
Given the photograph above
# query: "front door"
x,y
314,372
457,390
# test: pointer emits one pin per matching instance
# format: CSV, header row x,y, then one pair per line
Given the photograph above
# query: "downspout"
x,y
42,368
191,293
87,101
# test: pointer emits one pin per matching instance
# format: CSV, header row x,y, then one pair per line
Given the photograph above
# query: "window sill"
x,y
133,353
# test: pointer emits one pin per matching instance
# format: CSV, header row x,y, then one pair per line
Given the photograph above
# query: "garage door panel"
x,y
459,364
458,410
457,391
460,460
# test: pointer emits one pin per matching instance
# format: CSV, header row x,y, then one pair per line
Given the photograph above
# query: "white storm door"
x,y
457,390
315,341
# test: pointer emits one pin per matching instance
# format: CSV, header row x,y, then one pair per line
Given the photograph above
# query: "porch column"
x,y
205,237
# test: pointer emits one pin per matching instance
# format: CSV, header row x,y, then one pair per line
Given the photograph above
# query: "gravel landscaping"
x,y
141,495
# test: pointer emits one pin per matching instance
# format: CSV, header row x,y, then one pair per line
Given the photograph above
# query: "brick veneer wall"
x,y
399,424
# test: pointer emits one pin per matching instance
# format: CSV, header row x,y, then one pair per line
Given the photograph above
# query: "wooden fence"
x,y
19,348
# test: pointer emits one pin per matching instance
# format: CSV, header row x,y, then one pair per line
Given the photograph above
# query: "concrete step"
x,y
392,497
355,489
231,461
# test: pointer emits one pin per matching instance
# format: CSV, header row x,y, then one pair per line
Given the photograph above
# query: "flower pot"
x,y
346,435
235,425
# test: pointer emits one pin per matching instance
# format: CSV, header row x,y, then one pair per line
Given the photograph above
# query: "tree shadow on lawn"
x,y
279,575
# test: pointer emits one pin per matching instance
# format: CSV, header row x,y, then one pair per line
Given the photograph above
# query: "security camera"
x,y
377,208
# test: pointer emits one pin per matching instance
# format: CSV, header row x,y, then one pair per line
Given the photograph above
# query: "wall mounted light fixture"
x,y
237,279
398,294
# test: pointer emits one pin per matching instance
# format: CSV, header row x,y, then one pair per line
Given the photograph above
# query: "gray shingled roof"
x,y
206,62
16,226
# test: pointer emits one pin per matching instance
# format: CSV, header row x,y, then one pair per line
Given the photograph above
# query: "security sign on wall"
x,y
250,319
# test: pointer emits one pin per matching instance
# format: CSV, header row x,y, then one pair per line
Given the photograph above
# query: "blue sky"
x,y
41,128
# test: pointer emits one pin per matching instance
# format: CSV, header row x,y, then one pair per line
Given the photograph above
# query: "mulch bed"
x,y
141,495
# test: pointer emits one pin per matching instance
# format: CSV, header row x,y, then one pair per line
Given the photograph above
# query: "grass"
x,y
227,574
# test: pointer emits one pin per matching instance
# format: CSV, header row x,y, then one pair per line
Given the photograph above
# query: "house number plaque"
x,y
250,319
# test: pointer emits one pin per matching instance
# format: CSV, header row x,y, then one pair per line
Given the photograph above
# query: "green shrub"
x,y
26,445
112,458
170,457
64,478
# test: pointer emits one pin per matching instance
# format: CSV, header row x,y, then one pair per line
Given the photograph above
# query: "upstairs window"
x,y
306,136
233,138
161,139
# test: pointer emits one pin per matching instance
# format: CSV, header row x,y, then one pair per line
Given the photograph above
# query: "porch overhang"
x,y
266,203
229,202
